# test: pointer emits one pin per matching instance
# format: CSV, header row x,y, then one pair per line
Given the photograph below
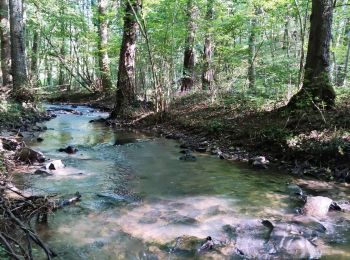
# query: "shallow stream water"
x,y
136,193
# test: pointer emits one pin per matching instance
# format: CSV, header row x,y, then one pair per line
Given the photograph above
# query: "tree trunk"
x,y
19,69
317,87
5,44
61,79
346,68
252,51
286,42
34,60
188,69
125,95
102,46
208,73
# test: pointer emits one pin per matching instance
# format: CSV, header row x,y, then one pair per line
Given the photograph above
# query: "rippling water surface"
x,y
136,193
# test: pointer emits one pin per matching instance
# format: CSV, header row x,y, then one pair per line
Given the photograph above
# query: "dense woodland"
x,y
157,50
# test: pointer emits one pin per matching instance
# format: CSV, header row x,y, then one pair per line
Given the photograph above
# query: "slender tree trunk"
x,y
286,42
62,52
252,51
102,46
61,78
5,44
208,73
317,87
18,66
125,95
346,68
188,68
34,60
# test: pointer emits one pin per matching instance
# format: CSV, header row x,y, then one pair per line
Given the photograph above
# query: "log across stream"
x,y
139,201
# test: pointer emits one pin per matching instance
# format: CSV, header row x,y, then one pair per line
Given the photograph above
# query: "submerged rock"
x,y
42,172
267,240
69,149
294,241
29,155
185,246
178,219
188,157
317,206
99,120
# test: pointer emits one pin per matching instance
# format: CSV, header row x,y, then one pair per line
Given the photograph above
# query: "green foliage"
x,y
275,134
215,126
3,253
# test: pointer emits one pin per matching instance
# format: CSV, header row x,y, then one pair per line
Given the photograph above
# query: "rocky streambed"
x,y
142,198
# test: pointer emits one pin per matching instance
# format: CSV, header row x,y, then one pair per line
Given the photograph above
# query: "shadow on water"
x,y
138,196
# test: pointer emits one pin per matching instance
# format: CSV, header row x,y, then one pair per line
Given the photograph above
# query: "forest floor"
x,y
312,143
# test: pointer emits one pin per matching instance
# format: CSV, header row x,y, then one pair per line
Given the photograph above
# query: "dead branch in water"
x,y
16,214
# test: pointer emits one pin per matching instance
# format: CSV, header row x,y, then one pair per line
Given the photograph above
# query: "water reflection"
x,y
137,192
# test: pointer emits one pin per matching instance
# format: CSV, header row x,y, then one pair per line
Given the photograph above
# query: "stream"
x,y
138,197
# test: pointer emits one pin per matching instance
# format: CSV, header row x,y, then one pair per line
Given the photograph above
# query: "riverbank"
x,y
314,143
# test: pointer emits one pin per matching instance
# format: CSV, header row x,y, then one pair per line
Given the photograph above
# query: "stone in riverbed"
x,y
69,149
42,172
260,162
29,155
54,165
188,158
317,206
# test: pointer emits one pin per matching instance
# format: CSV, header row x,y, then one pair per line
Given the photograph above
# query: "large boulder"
x,y
317,206
29,155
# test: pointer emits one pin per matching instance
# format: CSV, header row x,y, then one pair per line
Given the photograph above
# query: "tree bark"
x,y
61,78
208,73
317,87
34,60
102,46
286,43
188,68
125,95
18,66
252,51
5,43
